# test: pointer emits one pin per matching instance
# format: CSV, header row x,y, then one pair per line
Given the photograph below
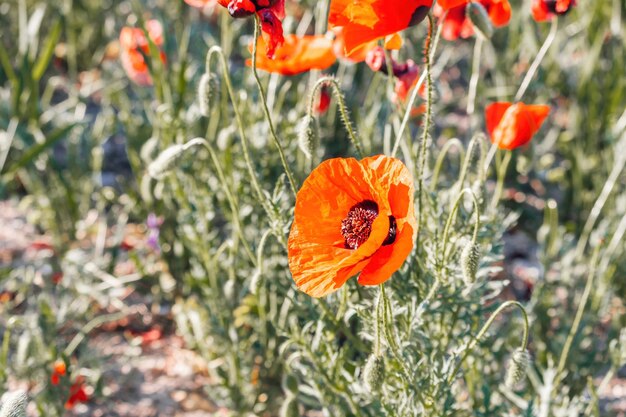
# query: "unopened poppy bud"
x,y
291,384
208,93
480,19
289,407
14,405
307,135
518,366
469,262
374,373
169,158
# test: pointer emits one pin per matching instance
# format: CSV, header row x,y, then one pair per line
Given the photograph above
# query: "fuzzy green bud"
x,y
169,158
518,366
208,92
14,405
307,135
479,17
469,262
289,407
374,373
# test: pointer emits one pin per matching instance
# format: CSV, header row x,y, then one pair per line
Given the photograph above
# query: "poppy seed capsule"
x,y
518,366
208,93
289,407
479,17
469,262
307,135
374,373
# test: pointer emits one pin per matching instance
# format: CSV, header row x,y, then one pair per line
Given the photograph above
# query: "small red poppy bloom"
x,y
270,13
296,55
369,20
513,125
406,74
58,370
133,47
351,217
77,394
323,101
543,10
456,23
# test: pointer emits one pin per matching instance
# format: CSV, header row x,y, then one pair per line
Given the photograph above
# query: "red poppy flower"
x,y
133,43
357,55
297,54
351,217
270,13
58,370
543,10
513,125
458,25
323,101
407,74
369,20
77,394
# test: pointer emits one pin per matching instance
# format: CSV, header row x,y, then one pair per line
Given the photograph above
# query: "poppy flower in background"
x,y
457,24
513,125
58,370
78,394
133,47
369,20
406,74
323,101
270,13
351,217
297,54
357,55
543,10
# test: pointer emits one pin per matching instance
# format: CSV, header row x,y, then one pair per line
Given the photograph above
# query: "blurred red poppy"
x,y
456,24
406,74
77,394
58,370
369,20
513,125
543,10
270,13
133,47
296,55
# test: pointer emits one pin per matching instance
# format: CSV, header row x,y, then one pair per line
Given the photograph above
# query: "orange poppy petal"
x,y
396,181
449,4
499,11
494,113
296,55
517,125
388,259
393,42
368,20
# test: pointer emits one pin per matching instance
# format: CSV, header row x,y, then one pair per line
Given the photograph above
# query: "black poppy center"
x,y
357,226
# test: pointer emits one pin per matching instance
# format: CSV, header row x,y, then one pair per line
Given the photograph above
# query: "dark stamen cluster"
x,y
357,226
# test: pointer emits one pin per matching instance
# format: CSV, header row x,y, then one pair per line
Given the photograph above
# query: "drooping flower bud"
x,y
469,262
518,366
169,158
307,135
374,372
208,93
479,17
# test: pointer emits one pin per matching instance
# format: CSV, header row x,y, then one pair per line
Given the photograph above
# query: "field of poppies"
x,y
286,208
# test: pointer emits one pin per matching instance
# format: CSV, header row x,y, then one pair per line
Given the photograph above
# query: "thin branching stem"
x,y
472,343
535,65
268,116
